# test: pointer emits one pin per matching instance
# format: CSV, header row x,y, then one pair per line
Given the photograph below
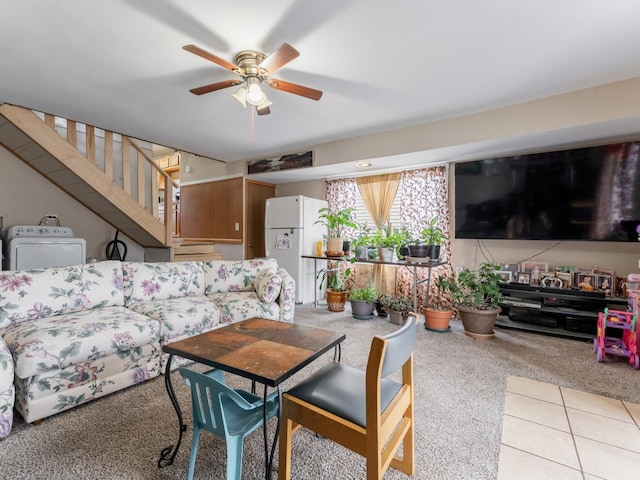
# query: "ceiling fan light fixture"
x,y
255,95
241,96
265,103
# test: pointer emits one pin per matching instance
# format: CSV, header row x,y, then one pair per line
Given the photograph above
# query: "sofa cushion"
x,y
181,317
7,391
236,306
267,285
144,282
234,276
37,293
54,343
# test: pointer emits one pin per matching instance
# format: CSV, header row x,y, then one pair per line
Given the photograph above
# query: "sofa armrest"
x,y
287,297
7,390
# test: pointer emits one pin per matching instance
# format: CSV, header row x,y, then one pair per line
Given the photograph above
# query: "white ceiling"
x,y
382,65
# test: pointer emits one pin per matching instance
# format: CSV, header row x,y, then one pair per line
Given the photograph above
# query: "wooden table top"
x,y
267,351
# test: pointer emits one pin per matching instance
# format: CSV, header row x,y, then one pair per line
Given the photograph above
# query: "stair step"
x,y
195,251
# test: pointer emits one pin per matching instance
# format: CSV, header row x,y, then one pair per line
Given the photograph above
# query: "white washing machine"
x,y
39,246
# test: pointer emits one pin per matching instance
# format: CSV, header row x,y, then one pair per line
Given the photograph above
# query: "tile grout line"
x,y
573,437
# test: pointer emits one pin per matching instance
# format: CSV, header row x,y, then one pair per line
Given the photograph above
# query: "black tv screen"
x,y
590,193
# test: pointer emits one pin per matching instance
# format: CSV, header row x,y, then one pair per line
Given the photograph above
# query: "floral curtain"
x,y
425,197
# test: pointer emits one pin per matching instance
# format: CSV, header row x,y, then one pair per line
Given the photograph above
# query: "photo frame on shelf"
x,y
524,278
549,280
511,267
620,289
605,284
531,266
566,279
505,275
587,281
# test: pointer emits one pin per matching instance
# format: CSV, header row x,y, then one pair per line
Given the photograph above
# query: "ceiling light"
x,y
255,95
265,102
363,164
241,96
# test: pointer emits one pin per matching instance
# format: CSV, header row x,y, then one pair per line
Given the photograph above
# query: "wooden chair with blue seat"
x,y
227,413
363,410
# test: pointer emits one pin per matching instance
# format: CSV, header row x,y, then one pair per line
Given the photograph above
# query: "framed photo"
x,y
295,160
620,289
511,267
524,278
605,284
587,281
549,280
505,275
566,279
534,269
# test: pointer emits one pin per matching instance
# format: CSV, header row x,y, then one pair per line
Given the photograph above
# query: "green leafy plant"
x,y
442,300
397,303
336,276
337,222
479,289
367,294
433,234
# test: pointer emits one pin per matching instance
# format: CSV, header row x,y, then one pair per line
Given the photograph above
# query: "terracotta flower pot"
x,y
436,320
478,323
336,300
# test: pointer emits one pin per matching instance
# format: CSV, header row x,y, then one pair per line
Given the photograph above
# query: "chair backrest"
x,y
216,407
400,346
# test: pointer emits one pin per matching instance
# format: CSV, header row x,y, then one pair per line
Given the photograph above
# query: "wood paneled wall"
x,y
211,210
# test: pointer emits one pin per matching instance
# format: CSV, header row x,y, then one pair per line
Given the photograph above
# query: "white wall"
x,y
311,188
26,196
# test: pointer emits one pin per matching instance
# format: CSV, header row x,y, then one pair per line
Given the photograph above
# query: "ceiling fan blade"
x,y
295,89
211,57
212,87
283,55
263,111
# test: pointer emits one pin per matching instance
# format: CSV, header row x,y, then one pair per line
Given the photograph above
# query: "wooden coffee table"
x,y
264,351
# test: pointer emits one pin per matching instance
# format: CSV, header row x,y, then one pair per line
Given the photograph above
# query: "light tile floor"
x,y
551,432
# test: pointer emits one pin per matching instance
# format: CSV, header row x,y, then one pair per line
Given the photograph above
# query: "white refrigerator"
x,y
290,232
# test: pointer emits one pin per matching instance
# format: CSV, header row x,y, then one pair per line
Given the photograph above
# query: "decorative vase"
x,y
336,300
361,310
397,318
436,320
478,323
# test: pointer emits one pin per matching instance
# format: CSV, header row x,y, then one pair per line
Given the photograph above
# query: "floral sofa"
x,y
81,332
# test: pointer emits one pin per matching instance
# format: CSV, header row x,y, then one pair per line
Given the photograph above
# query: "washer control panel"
x,y
38,231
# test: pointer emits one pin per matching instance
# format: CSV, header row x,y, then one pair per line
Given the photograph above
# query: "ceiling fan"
x,y
255,68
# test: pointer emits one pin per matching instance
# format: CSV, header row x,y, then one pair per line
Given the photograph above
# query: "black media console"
x,y
560,312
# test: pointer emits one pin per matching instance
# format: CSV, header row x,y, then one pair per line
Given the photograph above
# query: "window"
x,y
362,214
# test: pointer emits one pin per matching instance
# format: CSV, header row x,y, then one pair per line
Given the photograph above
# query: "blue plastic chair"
x,y
230,414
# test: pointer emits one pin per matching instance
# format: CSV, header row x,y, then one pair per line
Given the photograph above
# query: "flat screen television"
x,y
590,193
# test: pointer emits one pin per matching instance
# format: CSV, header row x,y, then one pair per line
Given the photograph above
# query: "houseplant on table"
x,y
397,306
362,302
433,237
336,223
438,311
476,295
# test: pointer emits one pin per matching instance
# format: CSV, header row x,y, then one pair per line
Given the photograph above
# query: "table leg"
x,y
170,450
269,453
415,289
315,283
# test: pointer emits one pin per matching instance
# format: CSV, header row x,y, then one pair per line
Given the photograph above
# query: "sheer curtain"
x,y
378,193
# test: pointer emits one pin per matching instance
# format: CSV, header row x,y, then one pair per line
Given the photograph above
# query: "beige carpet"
x,y
460,392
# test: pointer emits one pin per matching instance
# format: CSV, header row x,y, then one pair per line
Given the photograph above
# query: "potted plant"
x,y
336,222
398,307
437,313
389,240
433,236
362,302
336,277
476,295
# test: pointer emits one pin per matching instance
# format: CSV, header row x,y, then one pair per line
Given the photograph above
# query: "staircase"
x,y
107,172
